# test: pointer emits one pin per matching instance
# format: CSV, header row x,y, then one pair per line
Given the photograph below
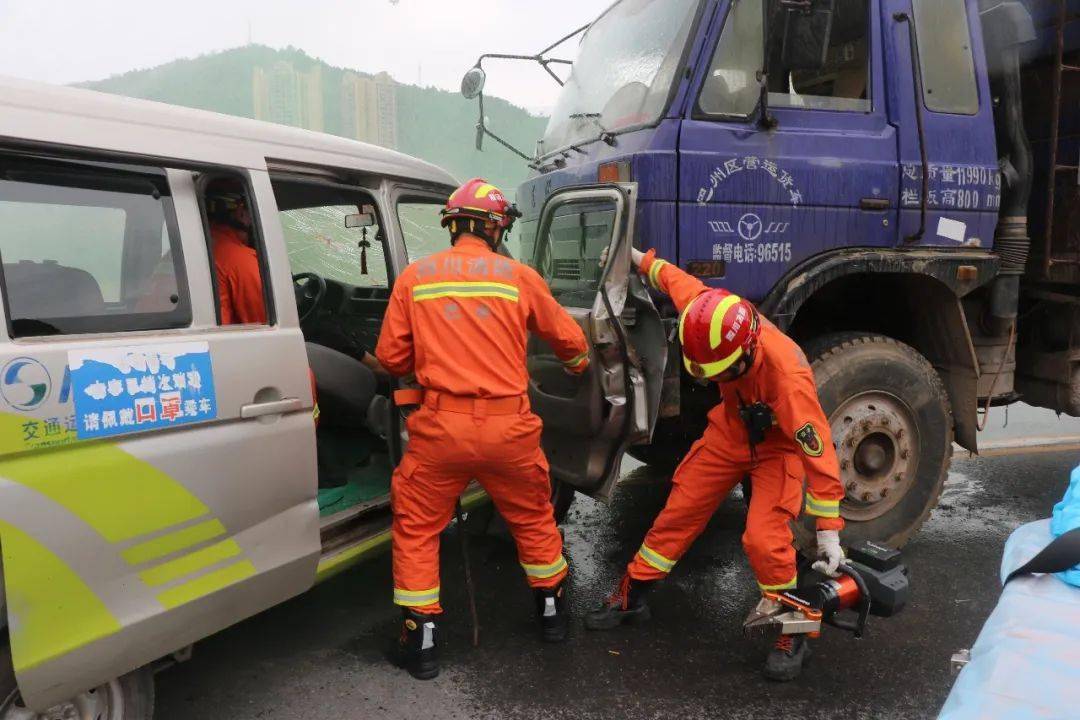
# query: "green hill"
x,y
432,124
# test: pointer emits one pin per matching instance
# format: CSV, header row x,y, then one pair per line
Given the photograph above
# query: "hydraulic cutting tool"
x,y
873,581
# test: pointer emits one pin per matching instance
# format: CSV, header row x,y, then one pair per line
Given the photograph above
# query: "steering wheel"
x,y
310,290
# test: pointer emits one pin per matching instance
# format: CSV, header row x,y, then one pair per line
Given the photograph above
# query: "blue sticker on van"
x,y
136,388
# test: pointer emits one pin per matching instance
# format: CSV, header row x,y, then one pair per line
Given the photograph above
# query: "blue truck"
x,y
893,182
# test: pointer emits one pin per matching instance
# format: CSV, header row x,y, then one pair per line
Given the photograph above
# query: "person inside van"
x,y
239,278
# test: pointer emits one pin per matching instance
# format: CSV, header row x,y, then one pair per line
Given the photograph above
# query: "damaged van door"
x,y
589,421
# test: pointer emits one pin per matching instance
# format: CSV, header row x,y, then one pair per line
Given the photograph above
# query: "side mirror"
x,y
473,83
807,34
360,220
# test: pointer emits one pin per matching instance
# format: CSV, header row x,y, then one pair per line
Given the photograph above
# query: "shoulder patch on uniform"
x,y
809,440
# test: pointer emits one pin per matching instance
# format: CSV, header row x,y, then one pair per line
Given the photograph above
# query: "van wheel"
x,y
892,427
129,698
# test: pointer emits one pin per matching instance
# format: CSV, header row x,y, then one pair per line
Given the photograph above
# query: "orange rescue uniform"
x,y
460,321
799,445
239,279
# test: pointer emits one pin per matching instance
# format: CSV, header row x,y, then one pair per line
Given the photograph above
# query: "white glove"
x,y
636,256
829,553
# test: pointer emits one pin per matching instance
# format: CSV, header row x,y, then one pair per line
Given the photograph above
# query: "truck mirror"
x,y
807,34
473,83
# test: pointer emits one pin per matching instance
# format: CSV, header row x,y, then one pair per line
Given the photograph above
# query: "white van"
x,y
161,473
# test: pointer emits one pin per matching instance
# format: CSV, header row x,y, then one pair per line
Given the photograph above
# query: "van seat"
x,y
346,387
48,289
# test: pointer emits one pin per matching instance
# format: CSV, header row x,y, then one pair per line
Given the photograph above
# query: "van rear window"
x,y
88,248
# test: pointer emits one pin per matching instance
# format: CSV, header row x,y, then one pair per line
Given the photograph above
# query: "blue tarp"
x,y
1026,661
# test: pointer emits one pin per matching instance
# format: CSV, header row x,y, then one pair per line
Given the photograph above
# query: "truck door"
x,y
938,70
157,468
589,421
761,197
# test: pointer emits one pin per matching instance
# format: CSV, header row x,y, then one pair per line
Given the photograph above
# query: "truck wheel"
x,y
893,430
129,698
671,441
562,497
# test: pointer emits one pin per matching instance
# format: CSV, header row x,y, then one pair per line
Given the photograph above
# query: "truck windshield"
x,y
622,77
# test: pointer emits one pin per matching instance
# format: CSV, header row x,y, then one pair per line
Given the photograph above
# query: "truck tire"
x,y
892,427
562,497
671,441
129,698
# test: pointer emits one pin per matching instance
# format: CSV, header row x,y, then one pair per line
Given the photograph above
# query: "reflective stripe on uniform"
x,y
434,291
654,273
416,598
577,361
781,586
545,571
655,559
822,508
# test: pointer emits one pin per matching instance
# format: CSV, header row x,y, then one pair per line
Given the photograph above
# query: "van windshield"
x,y
622,77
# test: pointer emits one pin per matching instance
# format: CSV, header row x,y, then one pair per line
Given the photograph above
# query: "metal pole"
x,y
470,589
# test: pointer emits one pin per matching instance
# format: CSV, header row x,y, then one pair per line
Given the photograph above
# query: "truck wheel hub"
x,y
876,441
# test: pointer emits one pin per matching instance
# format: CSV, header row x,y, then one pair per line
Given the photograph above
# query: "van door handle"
x,y
876,204
277,407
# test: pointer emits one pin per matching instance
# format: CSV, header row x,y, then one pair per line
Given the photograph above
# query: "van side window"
x,y
421,226
88,248
239,273
818,61
945,57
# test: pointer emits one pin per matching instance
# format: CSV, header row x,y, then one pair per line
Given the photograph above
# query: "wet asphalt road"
x,y
322,654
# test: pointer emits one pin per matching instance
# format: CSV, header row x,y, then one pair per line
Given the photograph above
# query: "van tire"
x,y
886,386
135,690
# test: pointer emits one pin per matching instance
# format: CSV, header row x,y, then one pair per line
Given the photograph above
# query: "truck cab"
x,y
863,171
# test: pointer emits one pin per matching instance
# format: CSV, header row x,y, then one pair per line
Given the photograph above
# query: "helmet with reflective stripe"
x,y
717,330
480,200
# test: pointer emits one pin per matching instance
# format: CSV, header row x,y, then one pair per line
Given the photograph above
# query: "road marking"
x,y
1025,446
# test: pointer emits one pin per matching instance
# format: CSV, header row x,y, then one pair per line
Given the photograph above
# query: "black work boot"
x,y
786,659
551,609
626,605
418,651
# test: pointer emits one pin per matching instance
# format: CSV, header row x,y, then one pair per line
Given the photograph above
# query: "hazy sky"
x,y
63,41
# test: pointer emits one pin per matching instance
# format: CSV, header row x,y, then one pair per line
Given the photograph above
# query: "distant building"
x,y
284,95
369,109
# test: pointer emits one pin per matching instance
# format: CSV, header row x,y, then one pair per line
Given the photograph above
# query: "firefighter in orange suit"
x,y
770,426
459,320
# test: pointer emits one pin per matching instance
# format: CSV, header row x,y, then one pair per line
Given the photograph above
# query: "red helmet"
x,y
480,200
716,330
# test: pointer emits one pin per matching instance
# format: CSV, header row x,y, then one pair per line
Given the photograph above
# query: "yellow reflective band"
x,y
822,508
55,610
545,571
434,291
655,559
315,412
790,584
682,319
716,323
484,190
206,584
190,564
710,370
654,273
576,362
416,598
173,542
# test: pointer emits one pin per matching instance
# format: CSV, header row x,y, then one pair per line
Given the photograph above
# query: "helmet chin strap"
x,y
476,227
